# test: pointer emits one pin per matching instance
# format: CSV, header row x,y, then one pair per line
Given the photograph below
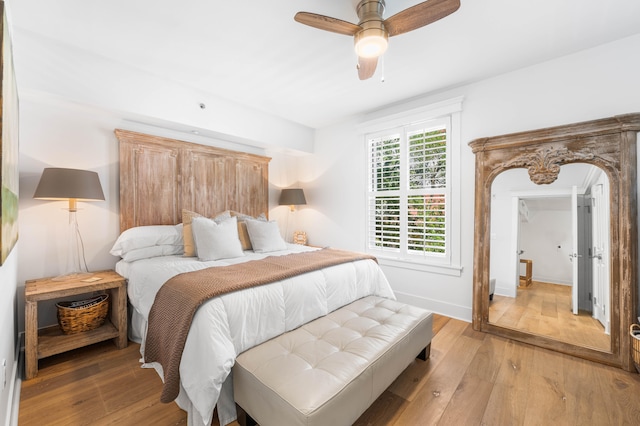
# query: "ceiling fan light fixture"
x,y
372,32
371,42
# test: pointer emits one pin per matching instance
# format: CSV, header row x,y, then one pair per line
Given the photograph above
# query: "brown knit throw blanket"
x,y
178,299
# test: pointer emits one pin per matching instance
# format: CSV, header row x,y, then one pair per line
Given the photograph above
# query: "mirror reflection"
x,y
550,255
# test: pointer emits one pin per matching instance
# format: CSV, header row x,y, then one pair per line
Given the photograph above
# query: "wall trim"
x,y
450,310
444,269
507,291
13,404
388,118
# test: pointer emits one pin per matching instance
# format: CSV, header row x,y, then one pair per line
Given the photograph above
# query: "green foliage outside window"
x,y
428,159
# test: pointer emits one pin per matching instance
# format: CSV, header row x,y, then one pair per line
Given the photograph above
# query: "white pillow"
x,y
147,236
265,236
216,240
153,251
187,233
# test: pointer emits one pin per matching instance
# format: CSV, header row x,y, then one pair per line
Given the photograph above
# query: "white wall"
x,y
592,84
547,240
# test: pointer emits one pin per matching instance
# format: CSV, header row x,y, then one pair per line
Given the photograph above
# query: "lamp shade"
x,y
64,184
292,197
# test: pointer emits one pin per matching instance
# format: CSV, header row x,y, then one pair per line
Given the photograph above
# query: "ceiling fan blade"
x,y
327,23
366,67
420,15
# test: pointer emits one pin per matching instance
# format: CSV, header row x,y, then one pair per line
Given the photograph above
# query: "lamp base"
x,y
76,266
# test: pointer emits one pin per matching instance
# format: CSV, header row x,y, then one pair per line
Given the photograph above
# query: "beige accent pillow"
x,y
243,234
187,229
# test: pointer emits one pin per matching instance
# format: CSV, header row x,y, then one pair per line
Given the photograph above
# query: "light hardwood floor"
x,y
471,378
545,309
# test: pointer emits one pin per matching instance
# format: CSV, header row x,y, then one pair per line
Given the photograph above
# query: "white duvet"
x,y
227,325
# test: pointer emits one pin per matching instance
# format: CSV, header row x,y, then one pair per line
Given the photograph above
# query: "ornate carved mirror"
x,y
560,202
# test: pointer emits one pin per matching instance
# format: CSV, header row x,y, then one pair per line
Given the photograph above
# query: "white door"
x,y
600,256
574,254
518,209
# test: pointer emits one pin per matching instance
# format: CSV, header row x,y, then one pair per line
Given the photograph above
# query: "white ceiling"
x,y
254,53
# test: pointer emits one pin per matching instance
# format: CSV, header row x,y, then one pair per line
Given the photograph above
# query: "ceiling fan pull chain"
x,y
382,69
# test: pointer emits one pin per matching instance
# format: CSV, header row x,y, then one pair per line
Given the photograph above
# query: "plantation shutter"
x,y
384,186
408,190
426,204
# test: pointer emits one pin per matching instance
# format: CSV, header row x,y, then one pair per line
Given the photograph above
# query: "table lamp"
x,y
291,197
72,185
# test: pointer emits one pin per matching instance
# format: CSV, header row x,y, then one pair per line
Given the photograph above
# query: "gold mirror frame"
x,y
609,144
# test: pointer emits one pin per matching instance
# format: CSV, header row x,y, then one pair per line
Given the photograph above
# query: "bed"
x,y
171,191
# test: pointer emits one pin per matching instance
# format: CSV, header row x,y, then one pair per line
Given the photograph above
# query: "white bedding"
x,y
227,325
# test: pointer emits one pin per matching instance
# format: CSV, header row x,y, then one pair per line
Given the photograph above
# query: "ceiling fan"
x,y
370,35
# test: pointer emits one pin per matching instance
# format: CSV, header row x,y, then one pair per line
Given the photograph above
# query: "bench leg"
x,y
244,418
425,353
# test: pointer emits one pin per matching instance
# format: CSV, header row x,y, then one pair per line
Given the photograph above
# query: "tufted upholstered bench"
x,y
330,370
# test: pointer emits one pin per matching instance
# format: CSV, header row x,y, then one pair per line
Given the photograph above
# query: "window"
x,y
408,190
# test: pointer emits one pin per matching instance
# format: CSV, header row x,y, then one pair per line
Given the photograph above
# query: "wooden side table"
x,y
526,280
51,341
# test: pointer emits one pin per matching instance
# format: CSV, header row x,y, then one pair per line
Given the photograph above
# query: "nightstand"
x,y
51,341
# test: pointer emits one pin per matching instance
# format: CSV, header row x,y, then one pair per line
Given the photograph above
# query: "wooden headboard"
x,y
160,176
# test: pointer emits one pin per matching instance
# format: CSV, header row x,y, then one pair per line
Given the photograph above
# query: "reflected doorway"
x,y
559,228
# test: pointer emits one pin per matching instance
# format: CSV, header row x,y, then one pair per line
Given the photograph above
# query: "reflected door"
x,y
600,256
522,214
574,254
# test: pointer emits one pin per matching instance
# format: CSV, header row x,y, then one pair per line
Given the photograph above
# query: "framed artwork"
x,y
9,144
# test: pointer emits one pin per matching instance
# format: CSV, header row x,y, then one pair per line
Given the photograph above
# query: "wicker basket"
x,y
83,315
635,345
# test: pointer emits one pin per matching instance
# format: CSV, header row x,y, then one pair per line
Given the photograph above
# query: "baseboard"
x,y
450,310
505,291
13,405
551,280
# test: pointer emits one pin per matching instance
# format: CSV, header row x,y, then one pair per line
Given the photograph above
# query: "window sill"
x,y
452,270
